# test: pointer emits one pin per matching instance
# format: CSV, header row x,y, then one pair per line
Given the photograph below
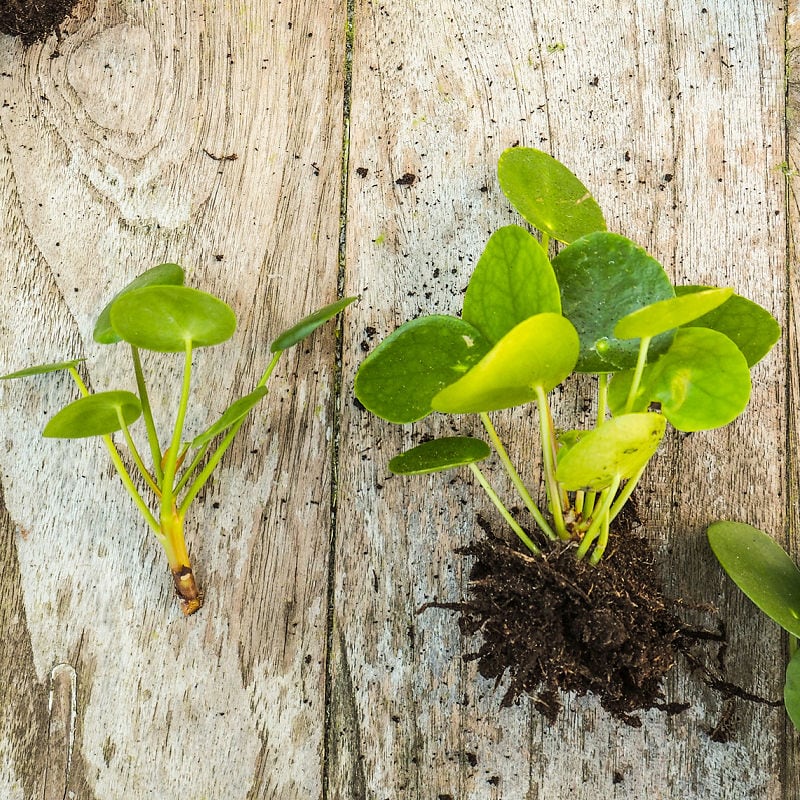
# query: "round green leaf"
x,y
539,352
162,275
761,568
235,411
702,382
666,315
398,380
291,336
749,326
94,415
169,319
618,448
603,278
791,689
548,195
41,369
512,281
440,454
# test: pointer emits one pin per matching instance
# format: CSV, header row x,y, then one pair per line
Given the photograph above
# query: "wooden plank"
x,y
674,116
208,134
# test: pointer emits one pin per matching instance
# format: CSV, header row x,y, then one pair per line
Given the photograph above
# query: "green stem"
x,y
526,540
120,467
168,491
602,398
212,462
191,468
545,242
580,496
137,459
641,361
626,493
147,413
515,478
602,542
606,497
554,491
793,643
268,371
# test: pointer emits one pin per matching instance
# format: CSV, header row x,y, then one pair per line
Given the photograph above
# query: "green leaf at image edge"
x,y
94,415
235,411
42,369
761,568
291,336
162,275
440,454
791,689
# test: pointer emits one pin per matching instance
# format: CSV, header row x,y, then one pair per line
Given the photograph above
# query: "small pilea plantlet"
x,y
157,312
603,306
765,572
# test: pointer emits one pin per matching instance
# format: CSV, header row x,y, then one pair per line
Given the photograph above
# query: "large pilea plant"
x,y
661,353
157,312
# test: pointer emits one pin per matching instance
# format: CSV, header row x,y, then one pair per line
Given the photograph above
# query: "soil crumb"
x,y
33,20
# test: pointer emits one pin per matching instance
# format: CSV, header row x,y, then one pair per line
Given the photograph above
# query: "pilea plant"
x,y
603,306
157,312
765,572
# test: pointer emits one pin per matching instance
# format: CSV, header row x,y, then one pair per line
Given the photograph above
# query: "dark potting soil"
x,y
558,625
33,20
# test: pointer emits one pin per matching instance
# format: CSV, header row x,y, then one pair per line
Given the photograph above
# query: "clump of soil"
x,y
33,20
558,625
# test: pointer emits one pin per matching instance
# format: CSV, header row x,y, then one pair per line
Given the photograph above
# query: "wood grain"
x,y
674,117
210,133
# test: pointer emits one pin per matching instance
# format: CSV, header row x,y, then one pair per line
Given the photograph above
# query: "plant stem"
x,y
626,493
120,467
212,462
641,361
793,643
147,413
602,398
602,542
137,459
545,242
174,544
515,478
168,491
554,491
503,510
191,468
606,497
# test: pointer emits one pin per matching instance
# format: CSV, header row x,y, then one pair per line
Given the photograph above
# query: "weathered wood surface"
x,y
309,672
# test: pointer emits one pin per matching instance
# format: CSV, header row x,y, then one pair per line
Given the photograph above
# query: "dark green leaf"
x,y
41,369
791,689
749,326
170,318
398,380
235,411
761,568
162,275
94,415
539,352
619,448
702,382
666,315
603,278
299,331
512,281
548,195
440,454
